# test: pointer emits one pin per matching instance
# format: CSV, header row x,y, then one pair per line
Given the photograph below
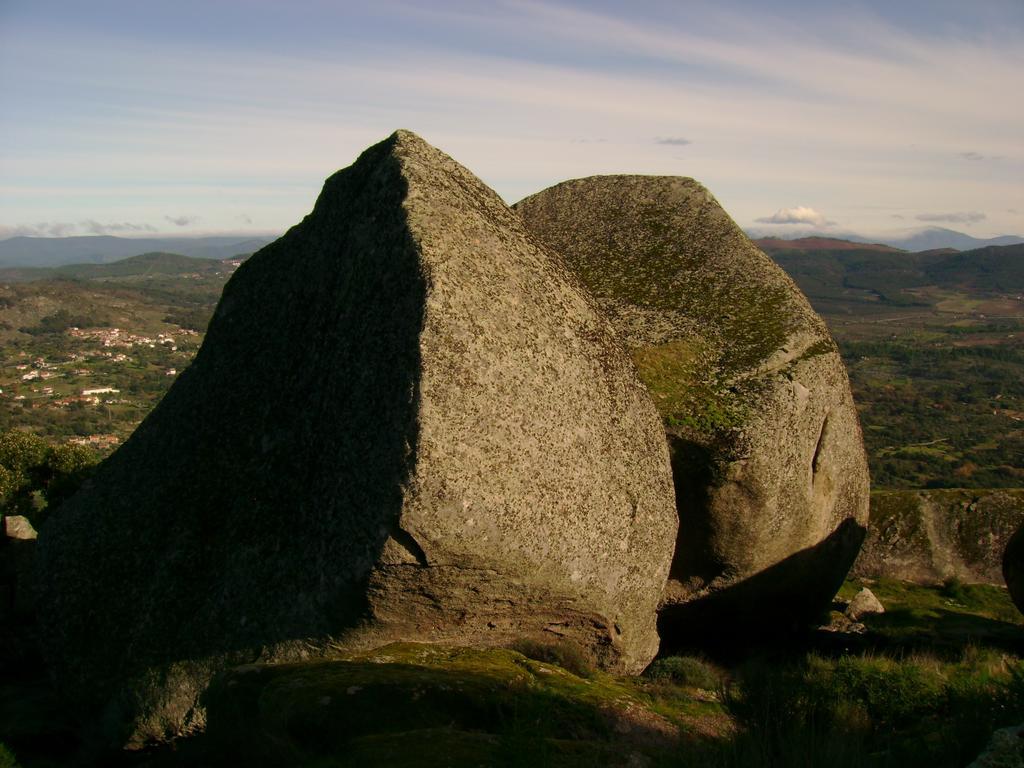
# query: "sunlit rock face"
x,y
770,471
931,536
407,422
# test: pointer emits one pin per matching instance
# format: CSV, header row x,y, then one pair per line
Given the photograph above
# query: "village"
x,y
91,386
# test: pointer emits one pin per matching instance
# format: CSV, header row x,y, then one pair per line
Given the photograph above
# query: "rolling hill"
x,y
843,269
102,249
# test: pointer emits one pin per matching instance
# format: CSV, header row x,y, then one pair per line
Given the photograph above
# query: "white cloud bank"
x,y
801,214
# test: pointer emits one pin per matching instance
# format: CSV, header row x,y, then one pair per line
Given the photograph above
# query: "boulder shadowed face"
x,y
770,473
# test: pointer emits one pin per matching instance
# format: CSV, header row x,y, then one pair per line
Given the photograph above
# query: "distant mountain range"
x,y
102,249
143,265
773,244
836,270
928,239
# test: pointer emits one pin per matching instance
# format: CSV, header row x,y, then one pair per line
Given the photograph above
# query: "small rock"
x,y
840,623
18,527
863,604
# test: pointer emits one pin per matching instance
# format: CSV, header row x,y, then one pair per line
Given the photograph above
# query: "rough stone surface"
x,y
863,604
461,449
18,527
1013,568
770,473
1004,750
935,535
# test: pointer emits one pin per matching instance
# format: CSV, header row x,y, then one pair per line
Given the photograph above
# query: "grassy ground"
x,y
925,685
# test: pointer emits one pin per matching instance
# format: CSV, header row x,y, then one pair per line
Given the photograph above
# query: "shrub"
x,y
36,477
892,692
564,654
685,670
955,589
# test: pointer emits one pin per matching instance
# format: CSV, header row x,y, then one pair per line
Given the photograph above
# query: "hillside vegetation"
x,y
934,347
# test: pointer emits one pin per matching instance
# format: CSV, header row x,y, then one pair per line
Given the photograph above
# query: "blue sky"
x,y
132,118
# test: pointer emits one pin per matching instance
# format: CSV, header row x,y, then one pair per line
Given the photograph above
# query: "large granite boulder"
x,y
770,472
407,422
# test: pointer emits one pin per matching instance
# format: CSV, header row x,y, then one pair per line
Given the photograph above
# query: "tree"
x,y
35,477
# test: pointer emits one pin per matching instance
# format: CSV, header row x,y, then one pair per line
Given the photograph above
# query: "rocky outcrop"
x,y
406,422
934,535
1004,750
770,472
1013,568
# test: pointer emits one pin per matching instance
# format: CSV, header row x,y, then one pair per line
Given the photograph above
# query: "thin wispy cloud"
x,y
67,228
181,221
800,214
42,229
967,217
93,227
